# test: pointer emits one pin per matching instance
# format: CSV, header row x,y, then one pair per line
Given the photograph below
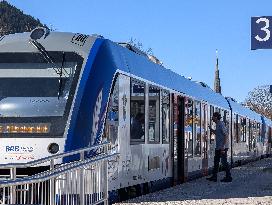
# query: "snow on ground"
x,y
252,184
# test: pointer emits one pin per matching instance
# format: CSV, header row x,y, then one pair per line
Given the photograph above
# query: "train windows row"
x,y
198,116
156,117
247,131
150,120
193,129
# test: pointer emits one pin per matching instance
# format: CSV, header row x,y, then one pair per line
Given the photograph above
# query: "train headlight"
x,y
38,33
53,148
24,128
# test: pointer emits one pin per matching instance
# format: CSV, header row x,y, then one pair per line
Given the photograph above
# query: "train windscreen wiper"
x,y
60,75
45,55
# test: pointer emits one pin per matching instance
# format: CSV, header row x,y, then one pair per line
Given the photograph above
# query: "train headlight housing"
x,y
53,148
38,128
39,32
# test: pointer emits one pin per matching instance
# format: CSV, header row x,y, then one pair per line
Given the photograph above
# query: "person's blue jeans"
x,y
224,160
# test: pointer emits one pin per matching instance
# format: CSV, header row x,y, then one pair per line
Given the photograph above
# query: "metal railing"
x,y
80,182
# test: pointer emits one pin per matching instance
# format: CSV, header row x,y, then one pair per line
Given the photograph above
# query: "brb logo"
x,y
22,149
261,32
12,148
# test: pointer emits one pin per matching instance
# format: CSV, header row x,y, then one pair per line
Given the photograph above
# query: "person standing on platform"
x,y
221,149
137,131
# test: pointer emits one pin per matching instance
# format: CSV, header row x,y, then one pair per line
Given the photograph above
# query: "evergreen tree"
x,y
13,20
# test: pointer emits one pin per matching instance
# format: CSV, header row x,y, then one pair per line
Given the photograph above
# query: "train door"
x,y
117,130
178,139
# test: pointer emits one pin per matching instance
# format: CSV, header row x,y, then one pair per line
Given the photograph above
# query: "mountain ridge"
x,y
13,20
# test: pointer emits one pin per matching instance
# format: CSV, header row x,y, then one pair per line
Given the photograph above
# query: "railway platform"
x,y
252,184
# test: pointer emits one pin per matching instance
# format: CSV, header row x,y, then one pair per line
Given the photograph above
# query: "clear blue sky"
x,y
183,34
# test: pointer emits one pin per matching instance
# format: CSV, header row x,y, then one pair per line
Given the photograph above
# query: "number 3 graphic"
x,y
265,29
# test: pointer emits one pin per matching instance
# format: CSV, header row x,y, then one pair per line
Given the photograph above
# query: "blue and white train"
x,y
63,91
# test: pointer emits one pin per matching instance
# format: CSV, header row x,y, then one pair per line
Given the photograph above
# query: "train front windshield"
x,y
36,96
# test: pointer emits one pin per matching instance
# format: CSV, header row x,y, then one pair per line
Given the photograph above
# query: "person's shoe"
x,y
226,179
212,179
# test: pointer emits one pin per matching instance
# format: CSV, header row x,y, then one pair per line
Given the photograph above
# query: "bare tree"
x,y
260,100
134,42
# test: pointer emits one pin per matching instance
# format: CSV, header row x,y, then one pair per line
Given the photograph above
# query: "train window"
x,y
240,128
212,136
235,128
197,127
244,123
261,134
112,120
223,115
254,135
251,133
137,111
50,96
247,130
33,91
257,133
228,120
165,116
154,115
252,141
259,139
269,134
188,127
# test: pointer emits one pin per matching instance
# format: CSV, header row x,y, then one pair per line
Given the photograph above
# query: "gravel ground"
x,y
252,184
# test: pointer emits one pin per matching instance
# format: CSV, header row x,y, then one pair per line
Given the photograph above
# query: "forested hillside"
x,y
13,20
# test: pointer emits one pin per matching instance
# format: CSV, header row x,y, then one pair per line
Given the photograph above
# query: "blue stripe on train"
x,y
91,102
91,58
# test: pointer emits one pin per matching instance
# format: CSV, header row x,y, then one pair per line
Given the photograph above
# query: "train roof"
x,y
54,41
125,61
244,111
267,121
137,65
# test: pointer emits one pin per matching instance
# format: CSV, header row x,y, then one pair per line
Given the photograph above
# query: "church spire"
x,y
217,85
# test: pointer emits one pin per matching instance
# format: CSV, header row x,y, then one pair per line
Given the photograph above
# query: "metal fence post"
x,y
52,184
81,181
105,165
13,188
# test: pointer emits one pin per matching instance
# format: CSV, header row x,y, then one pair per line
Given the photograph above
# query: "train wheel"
x,y
123,194
146,189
